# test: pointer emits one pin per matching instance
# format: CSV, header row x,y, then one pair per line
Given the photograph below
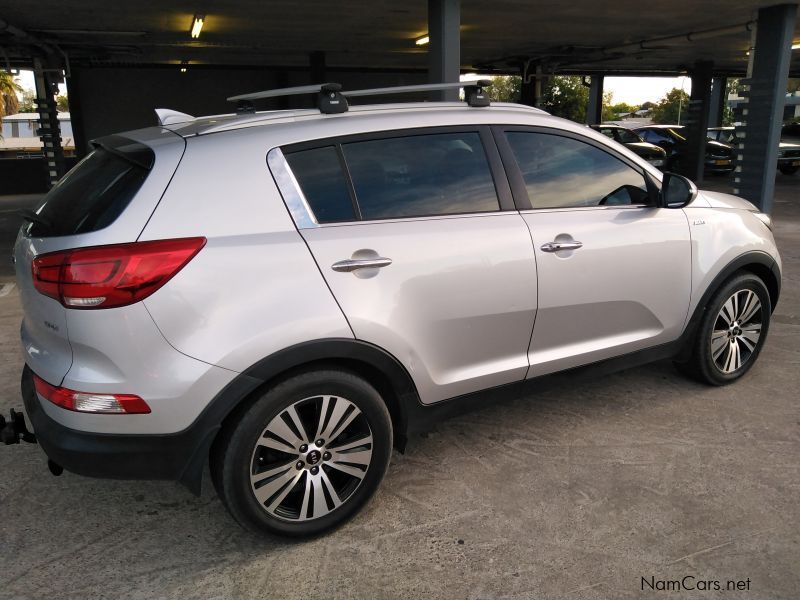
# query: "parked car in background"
x,y
718,159
791,130
788,153
653,154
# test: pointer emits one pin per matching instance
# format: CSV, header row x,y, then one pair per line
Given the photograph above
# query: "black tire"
x,y
702,364
789,170
236,455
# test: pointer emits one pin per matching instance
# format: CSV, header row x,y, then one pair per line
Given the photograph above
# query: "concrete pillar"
x,y
533,80
594,111
76,115
444,47
762,114
696,120
716,107
46,79
317,67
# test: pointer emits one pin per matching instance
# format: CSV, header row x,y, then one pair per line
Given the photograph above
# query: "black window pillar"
x,y
762,111
696,120
444,47
594,111
716,107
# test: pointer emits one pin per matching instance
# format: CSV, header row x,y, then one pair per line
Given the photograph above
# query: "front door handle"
x,y
353,264
558,246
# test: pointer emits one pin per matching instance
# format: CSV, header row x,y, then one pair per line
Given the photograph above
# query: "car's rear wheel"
x,y
732,331
306,456
789,170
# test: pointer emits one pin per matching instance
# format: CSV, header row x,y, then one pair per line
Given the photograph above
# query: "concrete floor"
x,y
579,493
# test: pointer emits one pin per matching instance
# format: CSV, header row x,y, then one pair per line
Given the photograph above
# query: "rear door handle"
x,y
558,246
353,264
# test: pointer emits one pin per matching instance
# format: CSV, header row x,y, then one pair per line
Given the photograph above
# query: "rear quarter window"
x,y
94,193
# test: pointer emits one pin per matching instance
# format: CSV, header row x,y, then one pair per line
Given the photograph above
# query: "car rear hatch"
x,y
121,176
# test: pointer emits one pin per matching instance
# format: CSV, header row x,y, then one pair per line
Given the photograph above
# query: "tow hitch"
x,y
14,430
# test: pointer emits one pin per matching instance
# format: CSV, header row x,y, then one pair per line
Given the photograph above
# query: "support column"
x,y
316,67
49,131
533,80
76,114
594,111
444,48
716,107
696,121
762,114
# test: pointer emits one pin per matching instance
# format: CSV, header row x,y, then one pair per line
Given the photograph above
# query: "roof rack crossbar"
x,y
331,98
290,91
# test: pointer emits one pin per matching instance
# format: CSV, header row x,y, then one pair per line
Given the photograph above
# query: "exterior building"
x,y
18,138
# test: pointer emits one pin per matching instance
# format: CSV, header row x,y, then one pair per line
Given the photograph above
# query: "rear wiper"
x,y
33,217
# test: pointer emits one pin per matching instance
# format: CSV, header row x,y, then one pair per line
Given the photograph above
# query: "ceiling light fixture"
x,y
423,40
197,25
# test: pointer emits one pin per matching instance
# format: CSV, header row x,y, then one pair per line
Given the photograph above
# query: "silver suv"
x,y
287,295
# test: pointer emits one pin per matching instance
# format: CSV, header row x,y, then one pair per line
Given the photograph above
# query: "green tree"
x,y
671,107
27,104
9,88
566,96
611,112
62,103
505,88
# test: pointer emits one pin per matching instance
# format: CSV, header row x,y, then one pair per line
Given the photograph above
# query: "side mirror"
x,y
676,191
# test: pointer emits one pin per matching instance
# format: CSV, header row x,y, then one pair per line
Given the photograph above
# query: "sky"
x,y
631,90
634,90
638,90
26,80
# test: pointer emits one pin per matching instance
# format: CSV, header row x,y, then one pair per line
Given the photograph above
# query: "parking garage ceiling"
x,y
576,36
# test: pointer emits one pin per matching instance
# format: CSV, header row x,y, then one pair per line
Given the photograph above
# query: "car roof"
x,y
227,122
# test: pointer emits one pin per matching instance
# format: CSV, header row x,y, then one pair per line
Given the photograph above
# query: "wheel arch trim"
x,y
757,262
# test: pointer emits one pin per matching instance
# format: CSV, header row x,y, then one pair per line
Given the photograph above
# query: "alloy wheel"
x,y
736,332
311,458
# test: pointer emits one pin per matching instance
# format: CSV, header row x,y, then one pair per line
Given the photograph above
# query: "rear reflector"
x,y
109,276
108,404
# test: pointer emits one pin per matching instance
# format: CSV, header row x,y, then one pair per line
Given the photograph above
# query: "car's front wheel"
x,y
732,331
789,170
306,456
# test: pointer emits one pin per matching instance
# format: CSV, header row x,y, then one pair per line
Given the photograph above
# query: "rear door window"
x,y
321,177
93,194
421,175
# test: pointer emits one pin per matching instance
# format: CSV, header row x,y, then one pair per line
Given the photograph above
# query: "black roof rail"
x,y
331,99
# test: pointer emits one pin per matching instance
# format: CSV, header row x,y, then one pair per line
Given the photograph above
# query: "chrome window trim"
x,y
293,196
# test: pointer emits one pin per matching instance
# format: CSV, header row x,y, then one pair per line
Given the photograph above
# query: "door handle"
x,y
353,264
558,246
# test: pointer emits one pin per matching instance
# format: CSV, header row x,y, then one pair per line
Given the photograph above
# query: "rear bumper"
x,y
179,456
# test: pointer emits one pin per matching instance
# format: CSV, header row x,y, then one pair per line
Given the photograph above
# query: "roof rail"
x,y
331,99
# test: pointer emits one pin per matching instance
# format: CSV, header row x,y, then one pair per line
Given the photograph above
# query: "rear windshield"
x,y
93,194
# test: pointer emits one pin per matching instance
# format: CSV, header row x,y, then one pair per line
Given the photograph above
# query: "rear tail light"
x,y
90,403
109,276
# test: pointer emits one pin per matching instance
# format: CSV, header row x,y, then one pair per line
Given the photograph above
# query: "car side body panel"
x,y
627,288
457,304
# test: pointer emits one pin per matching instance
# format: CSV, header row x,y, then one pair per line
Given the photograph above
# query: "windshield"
x,y
91,196
626,136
